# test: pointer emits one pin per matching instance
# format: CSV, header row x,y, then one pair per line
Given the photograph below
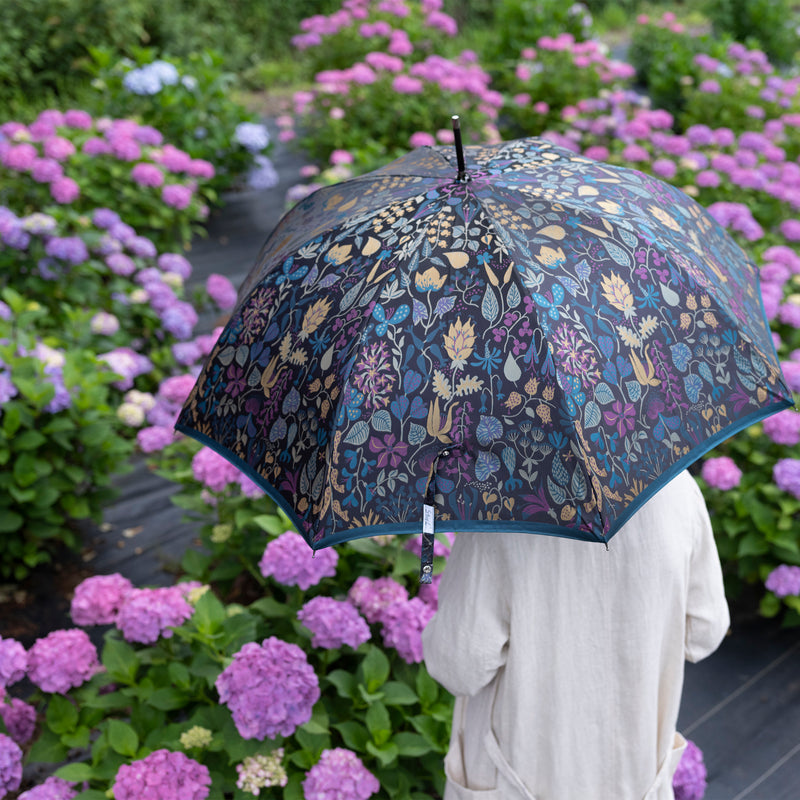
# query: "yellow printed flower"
x,y
440,385
551,257
314,317
543,412
338,254
686,321
430,280
664,218
618,294
459,342
691,302
514,399
532,386
710,319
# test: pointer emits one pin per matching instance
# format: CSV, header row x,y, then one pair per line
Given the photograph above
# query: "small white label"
x,y
427,519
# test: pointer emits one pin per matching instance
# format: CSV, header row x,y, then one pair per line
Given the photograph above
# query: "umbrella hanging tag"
x,y
426,557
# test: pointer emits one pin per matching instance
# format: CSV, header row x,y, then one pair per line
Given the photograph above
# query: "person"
x,y
567,659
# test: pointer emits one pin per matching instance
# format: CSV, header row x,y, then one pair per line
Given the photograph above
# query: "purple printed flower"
x,y
333,623
19,718
288,559
221,291
784,580
62,660
786,474
373,597
13,662
147,614
10,765
339,775
163,775
213,471
721,473
52,789
689,780
98,599
269,689
403,624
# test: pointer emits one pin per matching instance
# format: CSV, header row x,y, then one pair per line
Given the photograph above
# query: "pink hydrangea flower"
x,y
177,388
19,718
77,118
721,473
783,427
784,580
212,470
10,765
98,599
163,775
403,624
339,775
175,262
13,662
689,780
290,561
333,623
373,597
221,291
176,196
147,614
58,148
19,157
147,174
62,660
65,190
52,789
269,688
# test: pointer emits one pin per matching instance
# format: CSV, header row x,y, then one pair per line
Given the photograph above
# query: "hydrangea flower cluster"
x,y
62,660
784,581
52,789
126,363
689,780
339,775
290,561
403,624
19,718
13,662
269,688
721,473
163,775
10,765
221,291
373,596
196,736
261,771
253,136
98,599
783,427
151,78
414,544
333,623
147,614
213,471
786,474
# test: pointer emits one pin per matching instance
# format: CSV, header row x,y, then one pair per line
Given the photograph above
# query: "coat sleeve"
x,y
465,642
707,615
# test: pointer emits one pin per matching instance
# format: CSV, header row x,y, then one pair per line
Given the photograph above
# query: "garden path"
x,y
741,706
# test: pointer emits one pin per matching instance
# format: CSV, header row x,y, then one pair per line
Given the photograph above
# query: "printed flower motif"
x,y
618,294
314,317
373,375
551,257
664,218
573,355
459,342
622,416
390,450
430,280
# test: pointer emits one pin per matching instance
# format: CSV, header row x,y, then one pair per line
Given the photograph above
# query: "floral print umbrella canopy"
x,y
537,346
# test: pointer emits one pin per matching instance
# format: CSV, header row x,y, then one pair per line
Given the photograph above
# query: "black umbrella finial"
x,y
462,167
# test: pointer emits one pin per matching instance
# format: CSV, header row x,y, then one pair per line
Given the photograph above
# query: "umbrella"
x,y
523,340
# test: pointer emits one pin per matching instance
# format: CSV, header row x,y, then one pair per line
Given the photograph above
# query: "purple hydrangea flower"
x,y
721,473
62,660
97,600
414,544
121,264
69,248
65,190
174,262
373,597
403,624
19,718
186,353
263,175
290,561
784,580
13,662
786,474
221,291
333,623
339,775
105,217
179,319
269,688
252,136
176,196
689,780
147,174
147,614
7,387
141,246
429,592
104,324
52,789
62,398
154,438
783,427
128,364
10,765
212,470
163,775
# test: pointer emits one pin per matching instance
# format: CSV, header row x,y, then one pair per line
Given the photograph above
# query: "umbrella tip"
x,y
462,168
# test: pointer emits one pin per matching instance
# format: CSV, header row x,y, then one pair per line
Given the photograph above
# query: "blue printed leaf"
x,y
358,434
486,464
618,254
634,389
382,421
514,298
556,492
509,456
420,311
559,471
445,304
489,307
603,394
416,434
692,384
591,415
578,484
681,355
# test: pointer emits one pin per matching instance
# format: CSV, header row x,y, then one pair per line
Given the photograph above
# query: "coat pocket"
x,y
507,778
456,788
662,786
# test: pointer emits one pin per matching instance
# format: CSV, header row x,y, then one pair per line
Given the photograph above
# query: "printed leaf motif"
x,y
592,415
358,434
416,434
603,393
291,402
634,389
509,456
445,304
351,296
578,484
556,492
511,369
681,354
693,384
705,372
671,297
559,471
628,238
486,464
489,307
382,421
758,365
513,298
618,254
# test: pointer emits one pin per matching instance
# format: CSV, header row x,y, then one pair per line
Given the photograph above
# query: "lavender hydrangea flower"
x,y
176,196
786,474
128,364
269,688
174,262
288,559
221,291
260,771
104,324
783,427
784,581
147,614
163,775
721,473
154,438
62,398
97,600
13,662
212,470
252,136
414,544
373,597
263,175
105,218
179,319
689,780
403,624
52,789
62,660
333,623
339,775
19,718
10,765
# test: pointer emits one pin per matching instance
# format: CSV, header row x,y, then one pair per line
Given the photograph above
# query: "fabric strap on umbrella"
x,y
428,521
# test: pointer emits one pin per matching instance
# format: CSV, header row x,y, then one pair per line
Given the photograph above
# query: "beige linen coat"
x,y
567,659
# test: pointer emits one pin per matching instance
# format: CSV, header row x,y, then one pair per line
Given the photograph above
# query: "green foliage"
x,y
768,24
56,462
